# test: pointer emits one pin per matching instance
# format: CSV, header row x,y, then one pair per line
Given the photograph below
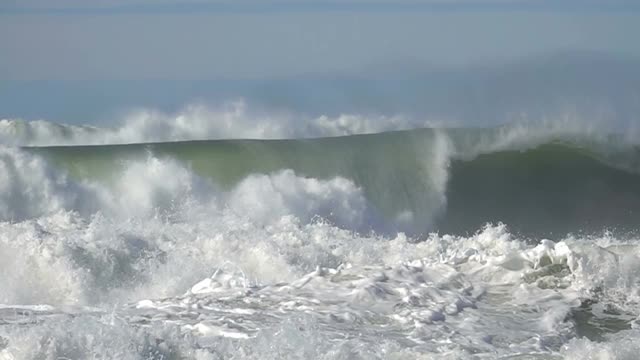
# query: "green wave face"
x,y
547,191
452,181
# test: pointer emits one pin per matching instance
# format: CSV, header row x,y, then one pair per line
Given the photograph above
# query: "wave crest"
x,y
231,120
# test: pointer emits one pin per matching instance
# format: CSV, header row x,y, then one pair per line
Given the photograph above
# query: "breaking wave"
x,y
230,120
417,181
501,242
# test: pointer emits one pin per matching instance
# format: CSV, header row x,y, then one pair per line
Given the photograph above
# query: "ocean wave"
x,y
231,120
417,181
240,120
321,247
31,187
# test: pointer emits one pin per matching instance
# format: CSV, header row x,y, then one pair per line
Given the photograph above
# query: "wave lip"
x,y
232,120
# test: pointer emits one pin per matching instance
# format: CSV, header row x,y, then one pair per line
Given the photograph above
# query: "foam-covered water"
x,y
363,247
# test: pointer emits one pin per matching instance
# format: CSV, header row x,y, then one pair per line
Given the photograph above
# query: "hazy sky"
x,y
66,40
76,61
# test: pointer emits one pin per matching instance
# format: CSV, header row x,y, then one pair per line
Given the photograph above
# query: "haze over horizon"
x,y
477,62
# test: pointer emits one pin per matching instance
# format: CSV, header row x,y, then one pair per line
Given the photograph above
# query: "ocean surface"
x,y
331,238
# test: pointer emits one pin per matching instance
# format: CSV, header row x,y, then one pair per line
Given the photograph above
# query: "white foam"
x,y
195,122
30,187
621,346
159,185
488,293
99,237
267,198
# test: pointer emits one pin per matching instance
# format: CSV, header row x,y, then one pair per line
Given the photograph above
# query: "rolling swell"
x,y
451,181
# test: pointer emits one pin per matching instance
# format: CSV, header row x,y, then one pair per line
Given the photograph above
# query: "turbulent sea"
x,y
334,238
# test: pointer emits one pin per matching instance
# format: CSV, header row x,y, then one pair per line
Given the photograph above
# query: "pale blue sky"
x,y
66,40
55,53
